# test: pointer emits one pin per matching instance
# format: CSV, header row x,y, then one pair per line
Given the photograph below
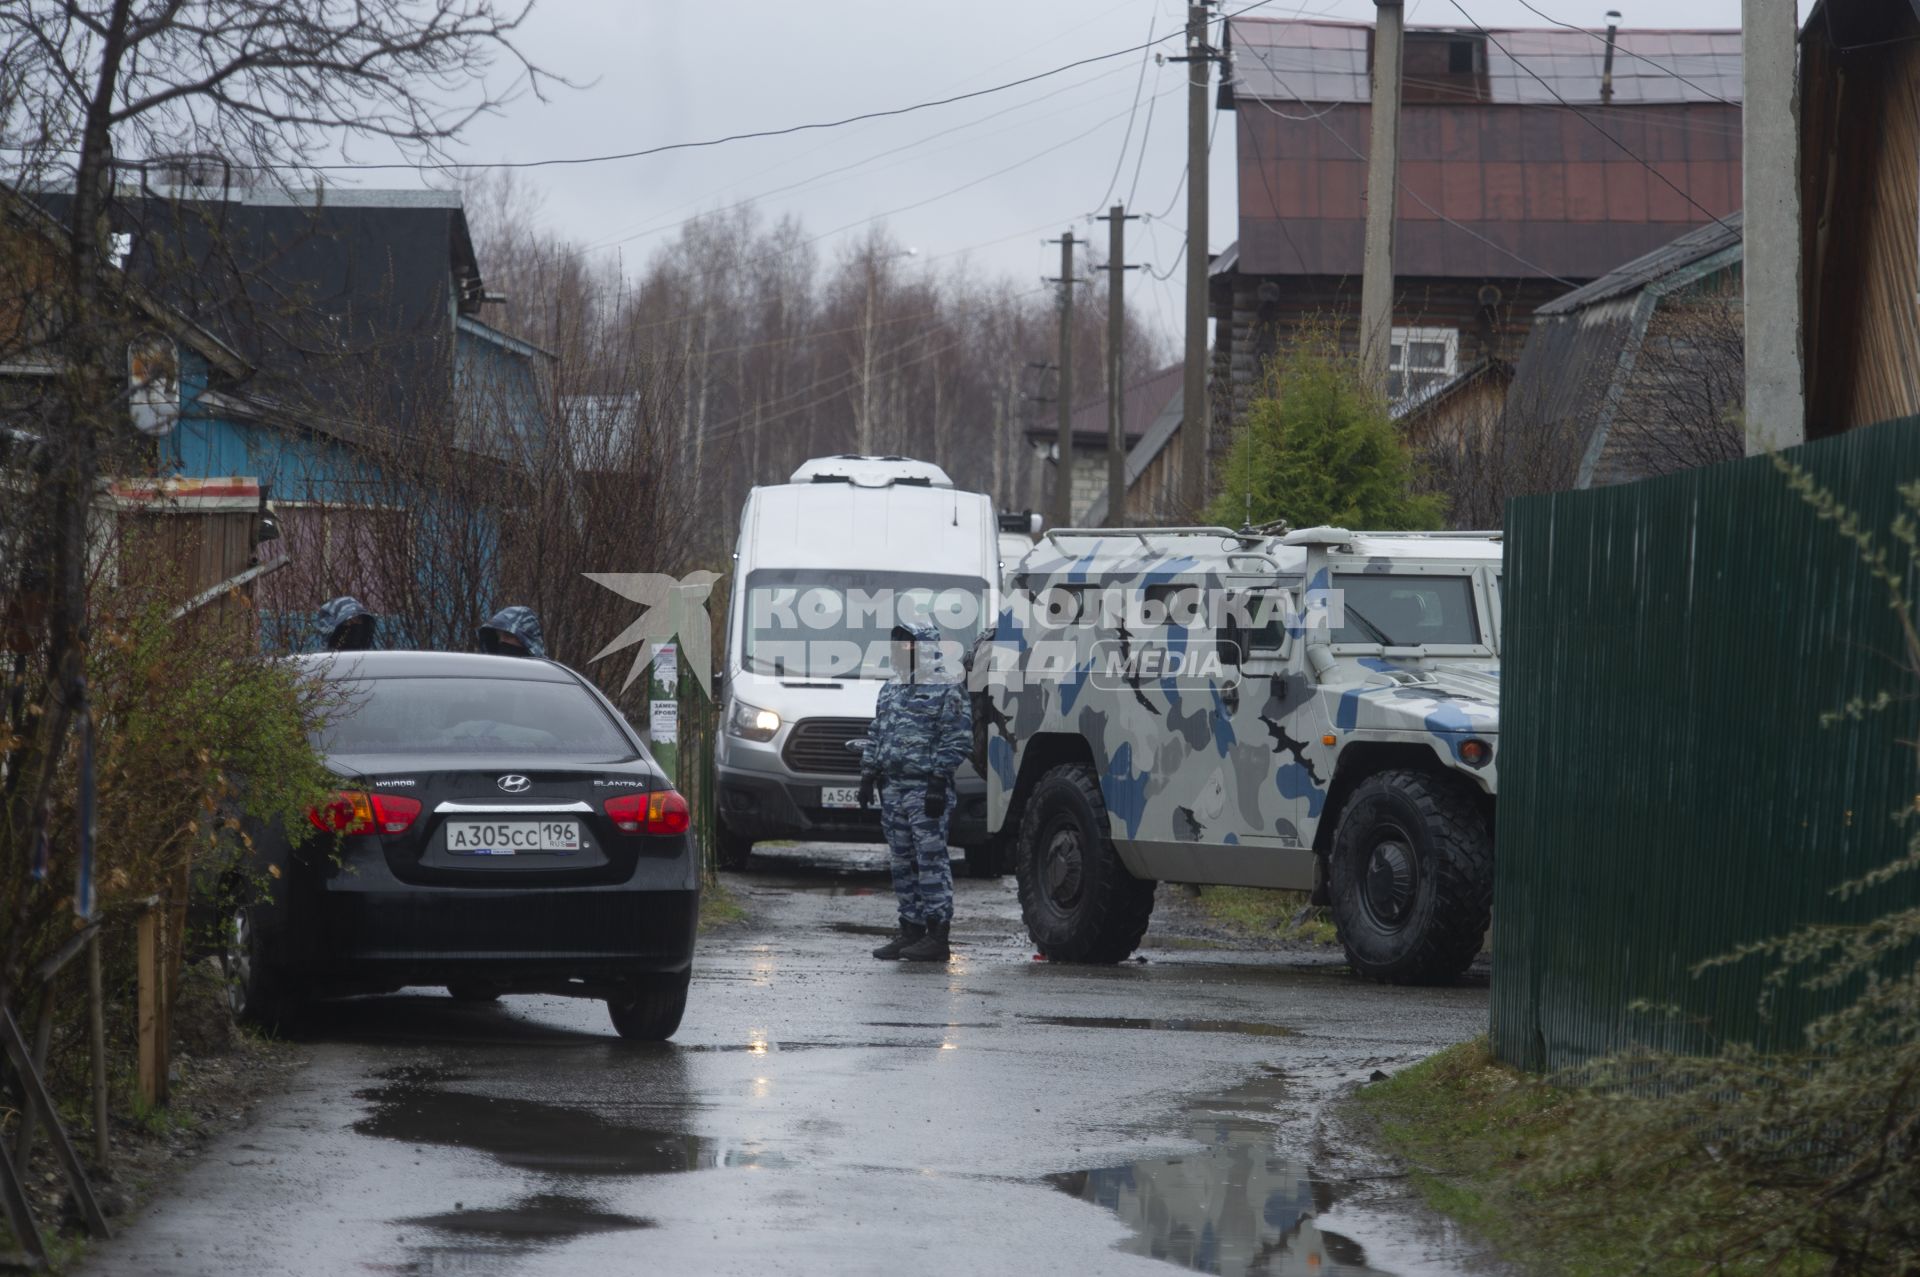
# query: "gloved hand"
x,y
936,798
868,783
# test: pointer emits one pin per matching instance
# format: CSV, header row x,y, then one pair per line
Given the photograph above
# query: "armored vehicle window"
x,y
1177,604
1406,611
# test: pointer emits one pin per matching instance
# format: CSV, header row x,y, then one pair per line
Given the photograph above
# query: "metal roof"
x,y
1327,62
1694,246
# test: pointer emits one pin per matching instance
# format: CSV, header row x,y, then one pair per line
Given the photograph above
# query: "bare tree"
x,y
90,88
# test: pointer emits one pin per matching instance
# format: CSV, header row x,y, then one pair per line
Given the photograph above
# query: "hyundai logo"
x,y
515,784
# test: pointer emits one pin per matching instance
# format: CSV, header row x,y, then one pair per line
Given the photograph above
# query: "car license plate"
x,y
513,837
840,796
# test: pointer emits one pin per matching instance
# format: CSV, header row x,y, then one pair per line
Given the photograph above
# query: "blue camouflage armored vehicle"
x,y
1315,710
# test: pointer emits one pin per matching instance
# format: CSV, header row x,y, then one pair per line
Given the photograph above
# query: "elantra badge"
x,y
515,784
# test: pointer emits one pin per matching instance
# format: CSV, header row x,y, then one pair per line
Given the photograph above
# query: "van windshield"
x,y
815,623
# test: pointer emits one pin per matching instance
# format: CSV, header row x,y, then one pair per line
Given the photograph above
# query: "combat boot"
x,y
910,933
932,947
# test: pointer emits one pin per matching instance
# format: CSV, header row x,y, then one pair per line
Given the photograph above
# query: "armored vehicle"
x,y
1314,710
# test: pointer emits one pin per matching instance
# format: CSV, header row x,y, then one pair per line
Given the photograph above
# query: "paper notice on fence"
x,y
665,722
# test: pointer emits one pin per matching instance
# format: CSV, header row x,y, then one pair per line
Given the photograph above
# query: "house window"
x,y
1421,357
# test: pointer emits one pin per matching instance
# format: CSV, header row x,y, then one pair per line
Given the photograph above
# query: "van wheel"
x,y
650,1014
1079,901
731,850
1411,878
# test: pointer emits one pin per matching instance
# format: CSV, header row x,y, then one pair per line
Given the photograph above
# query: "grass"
x,y
1269,914
1474,1134
719,908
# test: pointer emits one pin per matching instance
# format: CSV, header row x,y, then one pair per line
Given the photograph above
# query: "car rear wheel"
x,y
731,850
1079,901
257,992
653,1013
1411,877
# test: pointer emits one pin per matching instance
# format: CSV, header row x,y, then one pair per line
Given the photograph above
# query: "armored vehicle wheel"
x,y
1411,877
1079,901
731,850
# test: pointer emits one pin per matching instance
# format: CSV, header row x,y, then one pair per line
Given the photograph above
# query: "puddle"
x,y
1249,1028
534,1136
929,1024
1233,1208
542,1217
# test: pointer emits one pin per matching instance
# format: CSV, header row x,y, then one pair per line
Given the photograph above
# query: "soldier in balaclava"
x,y
345,625
512,631
922,731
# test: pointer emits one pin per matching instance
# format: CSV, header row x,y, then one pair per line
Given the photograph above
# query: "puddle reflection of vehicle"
x,y
1231,1208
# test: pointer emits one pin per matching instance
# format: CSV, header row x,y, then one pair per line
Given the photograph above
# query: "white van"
x,y
826,565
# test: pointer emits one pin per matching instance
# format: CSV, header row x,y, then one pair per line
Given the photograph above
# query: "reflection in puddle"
x,y
530,1135
1250,1028
1232,1208
543,1217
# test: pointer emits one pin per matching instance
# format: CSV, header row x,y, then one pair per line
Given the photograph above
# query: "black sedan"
x,y
498,828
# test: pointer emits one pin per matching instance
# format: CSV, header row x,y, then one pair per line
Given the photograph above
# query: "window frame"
x,y
1402,339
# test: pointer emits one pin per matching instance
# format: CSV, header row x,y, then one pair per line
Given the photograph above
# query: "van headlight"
x,y
751,722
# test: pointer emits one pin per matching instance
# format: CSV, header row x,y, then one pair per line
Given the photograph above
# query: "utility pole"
x,y
1770,175
1063,448
1383,190
1117,268
1195,427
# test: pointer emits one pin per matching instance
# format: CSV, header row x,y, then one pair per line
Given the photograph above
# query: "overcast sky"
x,y
986,179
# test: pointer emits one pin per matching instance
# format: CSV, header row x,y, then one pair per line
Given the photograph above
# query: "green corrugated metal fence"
x,y
1667,789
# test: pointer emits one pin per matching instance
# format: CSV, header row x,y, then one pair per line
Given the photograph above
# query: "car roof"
x,y
363,665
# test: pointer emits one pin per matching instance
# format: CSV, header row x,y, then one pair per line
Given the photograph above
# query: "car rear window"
x,y
469,716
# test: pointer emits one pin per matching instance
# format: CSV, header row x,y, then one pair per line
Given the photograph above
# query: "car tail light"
x,y
351,813
663,811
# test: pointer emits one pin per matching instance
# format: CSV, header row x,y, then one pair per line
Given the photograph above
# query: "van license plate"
x,y
513,837
840,796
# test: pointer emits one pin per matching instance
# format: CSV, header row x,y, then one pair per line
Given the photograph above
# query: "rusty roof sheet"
x,y
1290,60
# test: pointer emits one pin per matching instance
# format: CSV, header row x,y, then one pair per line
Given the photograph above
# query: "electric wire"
x,y
1641,57
1411,194
1120,160
1594,125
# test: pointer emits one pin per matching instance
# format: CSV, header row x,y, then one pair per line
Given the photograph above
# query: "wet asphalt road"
x,y
820,1112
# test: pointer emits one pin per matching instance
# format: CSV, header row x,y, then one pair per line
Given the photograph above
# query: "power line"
x,y
1140,160
735,266
752,134
1412,194
1629,52
1637,115
628,233
1120,160
1627,150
